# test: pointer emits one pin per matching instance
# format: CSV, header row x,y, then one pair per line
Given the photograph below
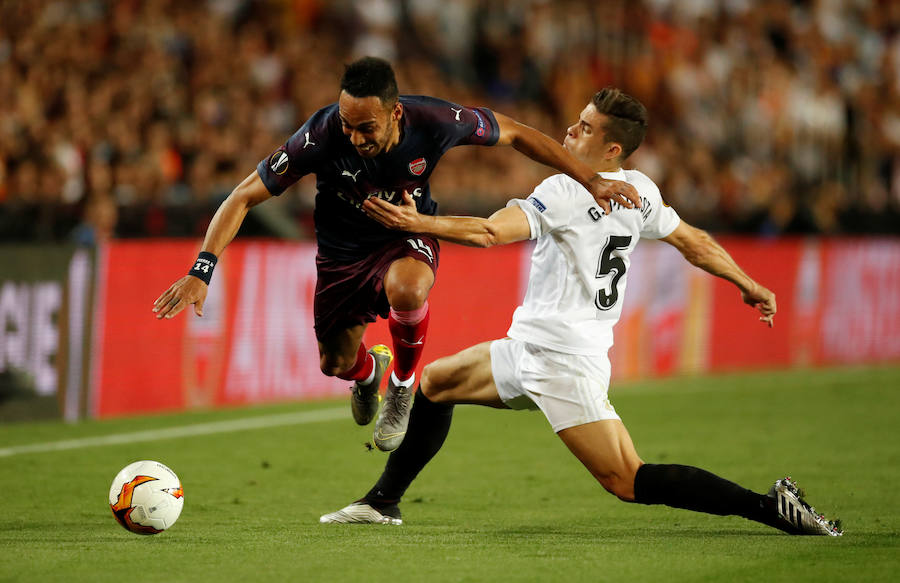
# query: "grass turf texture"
x,y
503,501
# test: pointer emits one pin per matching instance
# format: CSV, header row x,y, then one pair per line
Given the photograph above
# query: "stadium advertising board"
x,y
838,303
255,342
45,320
859,315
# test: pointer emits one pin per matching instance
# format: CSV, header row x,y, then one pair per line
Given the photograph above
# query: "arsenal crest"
x,y
418,166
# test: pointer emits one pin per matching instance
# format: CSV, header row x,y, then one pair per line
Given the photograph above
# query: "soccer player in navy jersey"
x,y
373,143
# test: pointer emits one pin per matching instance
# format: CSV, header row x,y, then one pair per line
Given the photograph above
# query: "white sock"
x,y
405,384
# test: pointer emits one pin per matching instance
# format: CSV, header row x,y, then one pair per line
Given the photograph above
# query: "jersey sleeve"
x,y
658,218
470,126
549,206
300,155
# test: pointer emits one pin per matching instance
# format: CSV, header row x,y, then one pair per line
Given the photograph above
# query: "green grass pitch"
x,y
503,501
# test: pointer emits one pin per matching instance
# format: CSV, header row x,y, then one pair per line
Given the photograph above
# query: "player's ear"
x,y
397,112
613,150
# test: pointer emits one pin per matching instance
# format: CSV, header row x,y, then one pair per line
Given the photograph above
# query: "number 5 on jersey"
x,y
611,261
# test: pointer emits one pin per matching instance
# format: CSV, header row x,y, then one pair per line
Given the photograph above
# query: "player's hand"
x,y
402,217
606,190
181,294
764,301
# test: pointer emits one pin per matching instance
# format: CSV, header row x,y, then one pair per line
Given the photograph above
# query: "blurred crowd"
x,y
124,118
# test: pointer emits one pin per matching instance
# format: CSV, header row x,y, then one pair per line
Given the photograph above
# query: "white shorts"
x,y
570,389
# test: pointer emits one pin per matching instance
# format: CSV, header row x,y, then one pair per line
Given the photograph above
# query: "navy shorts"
x,y
349,293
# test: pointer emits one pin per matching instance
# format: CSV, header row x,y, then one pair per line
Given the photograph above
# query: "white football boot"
x,y
798,517
361,513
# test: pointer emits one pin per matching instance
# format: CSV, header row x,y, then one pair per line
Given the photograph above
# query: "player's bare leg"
x,y
606,450
407,284
338,352
343,354
463,378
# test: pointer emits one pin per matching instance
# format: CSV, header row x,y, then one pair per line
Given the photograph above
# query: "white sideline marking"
x,y
181,431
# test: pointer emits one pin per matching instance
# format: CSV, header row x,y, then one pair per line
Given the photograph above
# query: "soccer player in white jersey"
x,y
555,356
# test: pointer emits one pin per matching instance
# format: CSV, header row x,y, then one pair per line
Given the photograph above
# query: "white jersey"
x,y
579,266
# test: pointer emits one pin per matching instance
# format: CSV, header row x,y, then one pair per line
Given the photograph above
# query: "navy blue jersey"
x,y
344,179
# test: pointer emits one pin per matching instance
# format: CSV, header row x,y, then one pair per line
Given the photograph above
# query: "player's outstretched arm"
x,y
190,290
504,226
699,248
542,148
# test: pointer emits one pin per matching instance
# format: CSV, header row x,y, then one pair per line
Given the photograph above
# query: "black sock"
x,y
695,489
429,424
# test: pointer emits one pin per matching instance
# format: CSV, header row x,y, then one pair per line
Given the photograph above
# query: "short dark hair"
x,y
628,117
371,76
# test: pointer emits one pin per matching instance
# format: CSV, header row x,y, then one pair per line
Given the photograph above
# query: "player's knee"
x,y
430,384
426,384
409,296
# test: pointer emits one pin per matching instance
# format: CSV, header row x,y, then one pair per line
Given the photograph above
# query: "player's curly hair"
x,y
371,76
628,118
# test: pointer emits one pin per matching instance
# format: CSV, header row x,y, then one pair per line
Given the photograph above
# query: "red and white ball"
x,y
146,497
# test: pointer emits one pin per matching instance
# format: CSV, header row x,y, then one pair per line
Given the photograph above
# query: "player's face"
x,y
371,125
585,139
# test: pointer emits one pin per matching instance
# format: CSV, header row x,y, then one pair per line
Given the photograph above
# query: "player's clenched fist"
x,y
184,292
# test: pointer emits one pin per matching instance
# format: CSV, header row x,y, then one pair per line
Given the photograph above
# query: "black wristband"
x,y
203,267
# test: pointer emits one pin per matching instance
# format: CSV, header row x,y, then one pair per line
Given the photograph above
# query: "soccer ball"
x,y
146,497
